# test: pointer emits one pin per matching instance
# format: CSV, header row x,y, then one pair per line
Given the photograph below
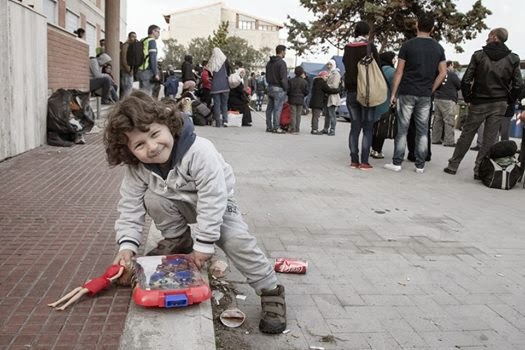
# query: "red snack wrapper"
x,y
290,266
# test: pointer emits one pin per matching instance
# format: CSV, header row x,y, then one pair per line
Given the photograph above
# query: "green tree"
x,y
200,49
218,39
174,53
392,22
238,50
234,47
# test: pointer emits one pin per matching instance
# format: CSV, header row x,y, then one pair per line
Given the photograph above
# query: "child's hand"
x,y
200,258
124,258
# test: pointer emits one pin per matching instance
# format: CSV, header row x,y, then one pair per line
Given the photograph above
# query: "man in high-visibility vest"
x,y
147,72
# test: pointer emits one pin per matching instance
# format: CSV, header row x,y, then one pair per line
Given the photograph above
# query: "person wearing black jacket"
x,y
296,93
319,98
187,69
492,78
362,117
238,100
277,78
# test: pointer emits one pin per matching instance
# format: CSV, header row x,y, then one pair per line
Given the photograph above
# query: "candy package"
x,y
169,281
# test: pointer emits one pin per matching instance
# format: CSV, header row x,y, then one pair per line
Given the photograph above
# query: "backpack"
x,y
200,113
500,168
371,84
285,117
260,84
135,55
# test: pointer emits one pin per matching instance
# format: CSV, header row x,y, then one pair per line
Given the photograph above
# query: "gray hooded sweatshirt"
x,y
198,175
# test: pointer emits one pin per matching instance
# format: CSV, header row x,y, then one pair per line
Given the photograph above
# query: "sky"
x,y
505,13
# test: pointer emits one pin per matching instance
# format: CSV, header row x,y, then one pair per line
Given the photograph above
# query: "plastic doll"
x,y
113,273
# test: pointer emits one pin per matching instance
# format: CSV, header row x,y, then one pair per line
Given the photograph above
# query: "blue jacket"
x,y
220,79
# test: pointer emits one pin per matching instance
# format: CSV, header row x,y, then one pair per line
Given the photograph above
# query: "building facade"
x,y
185,25
42,54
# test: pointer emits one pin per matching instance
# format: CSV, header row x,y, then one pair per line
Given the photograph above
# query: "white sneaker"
x,y
393,167
420,170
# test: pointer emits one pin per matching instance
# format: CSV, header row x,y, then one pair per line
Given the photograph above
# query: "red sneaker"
x,y
354,165
365,166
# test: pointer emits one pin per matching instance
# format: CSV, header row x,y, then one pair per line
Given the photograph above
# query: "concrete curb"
x,y
186,328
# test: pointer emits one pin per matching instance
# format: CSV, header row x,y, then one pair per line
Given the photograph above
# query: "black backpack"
x,y
500,168
135,54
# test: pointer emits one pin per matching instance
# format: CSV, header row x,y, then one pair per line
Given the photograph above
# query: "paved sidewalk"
x,y
396,260
57,211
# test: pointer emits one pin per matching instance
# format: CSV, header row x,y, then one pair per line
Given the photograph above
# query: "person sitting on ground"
x,y
99,80
319,98
108,69
188,90
178,178
238,99
297,90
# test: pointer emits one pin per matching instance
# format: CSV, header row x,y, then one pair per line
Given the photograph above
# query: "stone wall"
x,y
23,73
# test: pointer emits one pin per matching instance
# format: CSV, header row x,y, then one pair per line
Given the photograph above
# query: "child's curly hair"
x,y
138,111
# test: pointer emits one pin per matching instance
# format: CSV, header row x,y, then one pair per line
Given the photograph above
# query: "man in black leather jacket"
x,y
492,78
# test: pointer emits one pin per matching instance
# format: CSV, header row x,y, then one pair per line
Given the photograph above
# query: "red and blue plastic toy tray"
x,y
169,281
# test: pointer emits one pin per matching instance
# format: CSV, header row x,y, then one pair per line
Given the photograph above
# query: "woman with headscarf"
x,y
387,66
239,99
334,78
220,90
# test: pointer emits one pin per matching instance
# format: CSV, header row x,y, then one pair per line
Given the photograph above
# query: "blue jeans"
x,y
417,107
144,78
362,118
126,84
329,118
276,98
260,99
220,106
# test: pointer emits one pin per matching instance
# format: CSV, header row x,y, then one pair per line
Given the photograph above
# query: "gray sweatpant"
x,y
172,219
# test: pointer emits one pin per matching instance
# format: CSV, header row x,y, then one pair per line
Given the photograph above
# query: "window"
x,y
249,25
91,38
246,22
72,21
50,11
267,27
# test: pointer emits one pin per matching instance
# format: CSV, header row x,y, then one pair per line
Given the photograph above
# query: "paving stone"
x,y
381,341
408,338
355,324
400,274
450,339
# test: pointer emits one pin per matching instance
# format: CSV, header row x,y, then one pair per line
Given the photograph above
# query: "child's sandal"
x,y
273,307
